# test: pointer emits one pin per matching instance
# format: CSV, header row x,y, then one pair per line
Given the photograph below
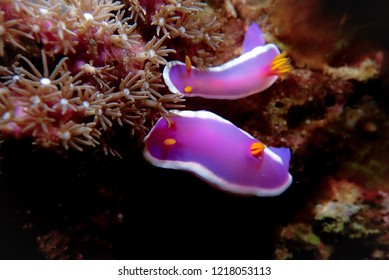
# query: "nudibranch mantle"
x,y
252,38
254,71
218,152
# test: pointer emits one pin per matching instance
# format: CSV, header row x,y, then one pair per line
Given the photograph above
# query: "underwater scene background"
x,y
83,84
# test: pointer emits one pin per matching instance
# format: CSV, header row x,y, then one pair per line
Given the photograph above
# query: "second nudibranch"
x,y
218,152
255,70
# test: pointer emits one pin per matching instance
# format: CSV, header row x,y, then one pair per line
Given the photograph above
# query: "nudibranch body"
x,y
218,152
255,70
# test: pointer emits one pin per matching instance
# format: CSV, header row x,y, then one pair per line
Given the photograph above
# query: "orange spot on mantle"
x,y
169,142
188,89
256,149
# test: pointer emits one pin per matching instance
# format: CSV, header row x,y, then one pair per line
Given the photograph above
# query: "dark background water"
x,y
166,214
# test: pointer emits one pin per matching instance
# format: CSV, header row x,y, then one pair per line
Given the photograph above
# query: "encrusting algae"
x,y
73,72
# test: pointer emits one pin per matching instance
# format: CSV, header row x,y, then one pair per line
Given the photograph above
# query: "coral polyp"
x,y
73,72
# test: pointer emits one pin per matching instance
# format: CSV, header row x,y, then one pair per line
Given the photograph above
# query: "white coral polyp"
x,y
88,16
45,82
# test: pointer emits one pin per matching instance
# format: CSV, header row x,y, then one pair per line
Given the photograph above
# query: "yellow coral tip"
x,y
256,149
188,89
169,142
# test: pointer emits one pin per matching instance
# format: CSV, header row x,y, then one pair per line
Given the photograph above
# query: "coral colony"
x,y
73,72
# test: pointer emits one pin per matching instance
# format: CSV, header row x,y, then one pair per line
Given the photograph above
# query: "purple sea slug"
x,y
218,152
255,70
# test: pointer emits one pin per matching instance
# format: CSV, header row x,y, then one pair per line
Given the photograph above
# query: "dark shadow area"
x,y
75,207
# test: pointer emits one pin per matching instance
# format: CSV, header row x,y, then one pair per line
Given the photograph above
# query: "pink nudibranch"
x,y
218,152
254,71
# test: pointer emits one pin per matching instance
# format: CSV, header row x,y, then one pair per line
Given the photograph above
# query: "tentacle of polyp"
x,y
254,71
218,152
